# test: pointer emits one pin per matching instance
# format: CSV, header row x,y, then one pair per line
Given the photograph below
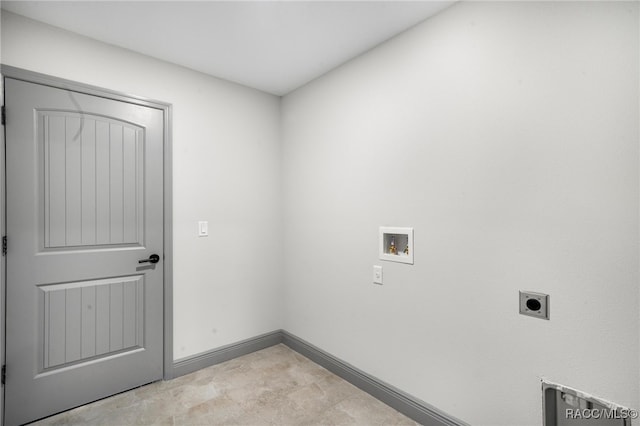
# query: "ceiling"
x,y
273,46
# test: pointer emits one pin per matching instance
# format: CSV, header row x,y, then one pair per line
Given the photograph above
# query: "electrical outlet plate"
x,y
534,304
377,274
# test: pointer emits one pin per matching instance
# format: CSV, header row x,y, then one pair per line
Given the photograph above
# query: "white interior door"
x,y
84,205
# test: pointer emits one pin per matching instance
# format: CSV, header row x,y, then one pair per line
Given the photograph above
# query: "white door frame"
x,y
33,77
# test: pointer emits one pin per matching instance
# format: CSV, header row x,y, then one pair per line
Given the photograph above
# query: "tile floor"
x,y
274,386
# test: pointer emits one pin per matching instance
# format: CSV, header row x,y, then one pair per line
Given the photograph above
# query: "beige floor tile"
x,y
274,386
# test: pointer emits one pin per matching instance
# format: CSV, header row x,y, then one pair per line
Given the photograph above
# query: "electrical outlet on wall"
x,y
534,304
377,274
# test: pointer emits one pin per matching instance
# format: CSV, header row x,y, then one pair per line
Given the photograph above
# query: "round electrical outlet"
x,y
533,304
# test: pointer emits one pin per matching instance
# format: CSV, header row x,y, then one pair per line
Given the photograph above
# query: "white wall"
x,y
226,169
506,134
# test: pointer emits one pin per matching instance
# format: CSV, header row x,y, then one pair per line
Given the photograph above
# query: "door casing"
x,y
33,77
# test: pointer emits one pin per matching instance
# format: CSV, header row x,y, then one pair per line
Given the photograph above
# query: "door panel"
x,y
90,319
93,188
84,204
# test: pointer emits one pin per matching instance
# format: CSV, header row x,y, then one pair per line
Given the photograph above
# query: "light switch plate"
x,y
203,229
377,274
